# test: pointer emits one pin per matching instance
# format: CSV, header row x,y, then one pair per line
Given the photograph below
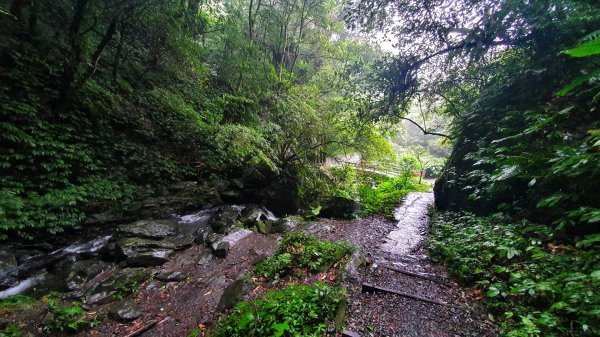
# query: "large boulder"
x,y
149,229
81,272
125,311
225,219
221,247
115,285
287,224
339,208
8,267
184,197
144,252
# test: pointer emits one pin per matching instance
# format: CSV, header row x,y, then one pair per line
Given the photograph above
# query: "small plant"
x,y
11,330
292,311
69,318
16,301
299,252
123,289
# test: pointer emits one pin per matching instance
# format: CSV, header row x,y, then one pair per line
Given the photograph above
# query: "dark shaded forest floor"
x,y
177,308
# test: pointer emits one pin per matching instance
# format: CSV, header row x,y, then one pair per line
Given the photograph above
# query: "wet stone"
x,y
231,295
8,267
125,311
221,249
82,271
144,253
149,229
172,276
105,290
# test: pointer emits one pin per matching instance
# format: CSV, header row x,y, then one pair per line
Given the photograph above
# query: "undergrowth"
x,y
535,284
299,311
299,253
379,194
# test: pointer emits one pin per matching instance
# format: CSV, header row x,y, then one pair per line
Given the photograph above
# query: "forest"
x,y
263,167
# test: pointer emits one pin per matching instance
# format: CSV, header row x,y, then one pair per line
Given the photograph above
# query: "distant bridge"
x,y
388,169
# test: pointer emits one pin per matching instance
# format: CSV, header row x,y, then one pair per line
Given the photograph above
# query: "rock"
x,y
182,186
202,235
182,241
231,239
125,311
224,219
82,271
340,208
8,267
221,249
257,256
118,283
23,255
232,196
171,276
231,295
213,237
143,252
250,215
351,270
287,224
149,229
105,218
204,258
180,202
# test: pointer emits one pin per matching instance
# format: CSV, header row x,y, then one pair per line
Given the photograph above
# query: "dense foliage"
x,y
299,253
534,284
292,311
524,113
108,100
378,194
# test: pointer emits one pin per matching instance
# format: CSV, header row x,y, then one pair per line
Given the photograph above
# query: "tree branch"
x,y
425,131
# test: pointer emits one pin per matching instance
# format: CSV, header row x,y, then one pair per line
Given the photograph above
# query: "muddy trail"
x,y
398,292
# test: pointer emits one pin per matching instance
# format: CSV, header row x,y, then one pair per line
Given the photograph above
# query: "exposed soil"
x,y
178,308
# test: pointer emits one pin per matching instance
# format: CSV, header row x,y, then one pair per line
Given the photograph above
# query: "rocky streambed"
x,y
104,264
176,274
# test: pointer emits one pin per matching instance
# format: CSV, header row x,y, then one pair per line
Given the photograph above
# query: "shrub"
x,y
299,252
293,311
381,194
538,285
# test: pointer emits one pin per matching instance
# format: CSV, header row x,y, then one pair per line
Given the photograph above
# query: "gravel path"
x,y
399,244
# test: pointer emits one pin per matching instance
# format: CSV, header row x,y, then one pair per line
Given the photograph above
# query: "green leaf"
x,y
492,292
585,49
577,82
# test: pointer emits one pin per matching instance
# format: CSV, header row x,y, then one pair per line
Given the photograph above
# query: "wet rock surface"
x,y
179,307
125,311
116,284
149,229
8,267
339,208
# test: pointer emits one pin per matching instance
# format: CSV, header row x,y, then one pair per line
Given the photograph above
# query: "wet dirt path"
x,y
399,244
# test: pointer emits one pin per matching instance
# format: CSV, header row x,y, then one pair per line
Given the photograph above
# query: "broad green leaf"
x,y
585,49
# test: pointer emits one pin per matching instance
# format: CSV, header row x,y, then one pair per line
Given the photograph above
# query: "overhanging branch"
x,y
424,130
